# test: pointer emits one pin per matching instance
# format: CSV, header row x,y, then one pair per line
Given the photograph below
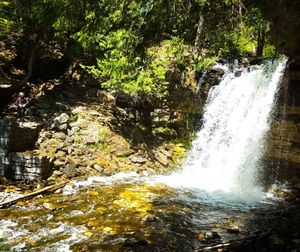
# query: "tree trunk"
x,y
33,194
29,70
198,35
261,39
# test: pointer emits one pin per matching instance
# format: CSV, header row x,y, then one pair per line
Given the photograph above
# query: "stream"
x,y
117,215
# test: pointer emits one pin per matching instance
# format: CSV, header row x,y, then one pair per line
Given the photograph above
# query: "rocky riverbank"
x,y
83,132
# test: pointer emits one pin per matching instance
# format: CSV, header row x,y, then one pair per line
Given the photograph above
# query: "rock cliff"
x,y
283,142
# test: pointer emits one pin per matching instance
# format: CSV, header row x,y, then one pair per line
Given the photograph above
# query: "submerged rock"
x,y
135,242
150,218
233,230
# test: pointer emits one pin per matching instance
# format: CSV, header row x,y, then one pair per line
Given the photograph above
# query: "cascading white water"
x,y
226,152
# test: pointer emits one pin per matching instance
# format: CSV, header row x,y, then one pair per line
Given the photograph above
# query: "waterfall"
x,y
226,152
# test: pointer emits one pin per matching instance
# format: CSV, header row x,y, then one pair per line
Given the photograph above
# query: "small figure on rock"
x,y
22,103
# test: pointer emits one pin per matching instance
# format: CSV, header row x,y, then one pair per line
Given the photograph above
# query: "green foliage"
x,y
243,39
5,26
135,46
269,50
204,62
5,22
120,69
165,132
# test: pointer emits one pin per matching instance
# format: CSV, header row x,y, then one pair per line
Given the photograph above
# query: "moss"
x,y
178,152
123,158
165,132
103,133
102,161
73,118
105,147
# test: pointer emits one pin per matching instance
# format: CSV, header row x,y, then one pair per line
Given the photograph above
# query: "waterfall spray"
x,y
226,152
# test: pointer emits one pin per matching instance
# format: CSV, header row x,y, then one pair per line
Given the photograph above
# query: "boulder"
x,y
79,109
62,118
69,170
161,158
138,159
60,122
105,97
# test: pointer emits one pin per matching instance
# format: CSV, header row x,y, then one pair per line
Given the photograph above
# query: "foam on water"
x,y
226,152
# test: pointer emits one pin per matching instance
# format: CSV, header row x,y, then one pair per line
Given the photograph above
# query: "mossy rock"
x,y
165,132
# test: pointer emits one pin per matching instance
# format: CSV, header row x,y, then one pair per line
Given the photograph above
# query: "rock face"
x,y
283,143
27,165
14,162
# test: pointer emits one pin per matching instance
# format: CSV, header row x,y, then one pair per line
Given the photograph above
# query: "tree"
x,y
284,21
34,21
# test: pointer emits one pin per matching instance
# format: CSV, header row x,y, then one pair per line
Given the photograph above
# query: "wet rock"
x,y
256,61
238,73
150,218
217,69
208,236
233,230
135,242
212,235
50,206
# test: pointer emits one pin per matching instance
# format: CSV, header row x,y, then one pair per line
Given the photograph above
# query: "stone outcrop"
x,y
15,163
283,142
91,145
27,165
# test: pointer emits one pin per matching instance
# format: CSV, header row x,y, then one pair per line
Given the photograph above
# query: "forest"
x,y
130,46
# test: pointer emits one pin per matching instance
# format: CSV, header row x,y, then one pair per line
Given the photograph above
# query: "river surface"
x,y
130,216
